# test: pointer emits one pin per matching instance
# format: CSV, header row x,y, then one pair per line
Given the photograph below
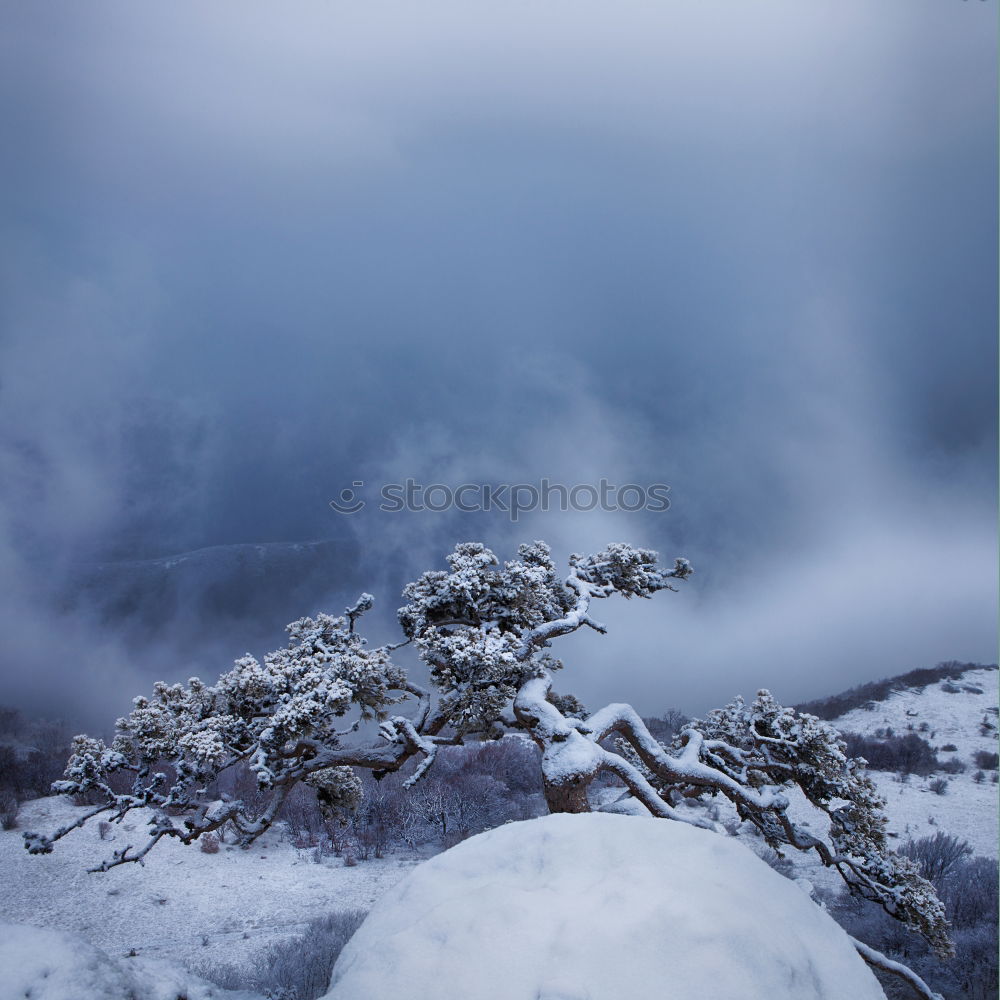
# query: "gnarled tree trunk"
x,y
568,796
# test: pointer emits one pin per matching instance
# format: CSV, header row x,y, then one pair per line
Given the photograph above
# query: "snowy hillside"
x,y
946,714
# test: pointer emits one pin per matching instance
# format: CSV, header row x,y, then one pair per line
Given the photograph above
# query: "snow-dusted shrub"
x,y
298,968
8,810
514,761
209,843
939,786
484,630
986,760
780,863
665,727
974,969
969,891
477,785
954,766
304,964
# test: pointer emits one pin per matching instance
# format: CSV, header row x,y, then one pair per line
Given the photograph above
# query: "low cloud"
x,y
251,256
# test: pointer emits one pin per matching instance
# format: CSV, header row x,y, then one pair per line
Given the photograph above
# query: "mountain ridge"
x,y
834,706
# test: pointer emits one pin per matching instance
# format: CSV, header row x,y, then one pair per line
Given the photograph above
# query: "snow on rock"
x,y
44,964
582,907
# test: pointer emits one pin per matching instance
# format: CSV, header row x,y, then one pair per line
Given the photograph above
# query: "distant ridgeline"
x,y
857,697
258,587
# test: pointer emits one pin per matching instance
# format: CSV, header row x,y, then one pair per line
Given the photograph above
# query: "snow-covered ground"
x,y
182,905
43,964
967,809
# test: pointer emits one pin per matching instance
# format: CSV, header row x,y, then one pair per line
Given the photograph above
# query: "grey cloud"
x,y
253,254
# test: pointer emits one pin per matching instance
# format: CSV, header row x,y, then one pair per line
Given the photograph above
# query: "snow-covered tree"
x,y
484,630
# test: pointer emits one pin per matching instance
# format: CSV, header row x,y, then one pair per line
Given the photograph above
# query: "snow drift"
x,y
50,965
587,907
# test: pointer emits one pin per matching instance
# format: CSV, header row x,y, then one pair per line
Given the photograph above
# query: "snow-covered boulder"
x,y
45,964
598,907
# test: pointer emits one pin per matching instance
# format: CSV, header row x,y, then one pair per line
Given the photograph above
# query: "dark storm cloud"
x,y
253,254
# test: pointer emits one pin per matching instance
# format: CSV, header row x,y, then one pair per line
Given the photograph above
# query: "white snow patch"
x,y
586,907
45,964
940,716
183,905
968,809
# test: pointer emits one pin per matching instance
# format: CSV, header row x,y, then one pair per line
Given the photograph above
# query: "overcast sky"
x,y
252,253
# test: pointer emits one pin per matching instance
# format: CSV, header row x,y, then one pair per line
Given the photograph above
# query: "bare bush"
x,y
665,727
296,969
8,810
970,891
909,754
937,856
974,969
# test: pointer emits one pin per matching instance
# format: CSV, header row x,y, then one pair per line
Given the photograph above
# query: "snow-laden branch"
x,y
619,569
764,752
879,961
542,634
686,768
